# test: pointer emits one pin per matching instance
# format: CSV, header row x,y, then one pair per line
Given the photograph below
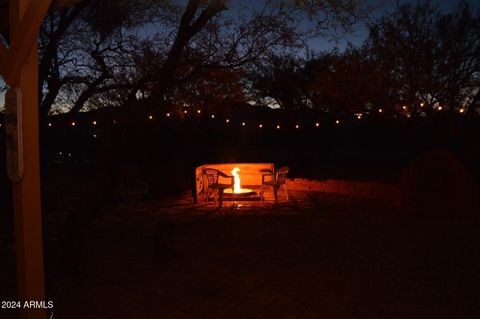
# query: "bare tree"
x,y
428,57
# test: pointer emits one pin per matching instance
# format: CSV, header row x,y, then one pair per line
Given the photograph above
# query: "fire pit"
x,y
237,188
247,179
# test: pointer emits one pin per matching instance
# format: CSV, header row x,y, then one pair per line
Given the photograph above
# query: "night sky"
x,y
380,7
360,30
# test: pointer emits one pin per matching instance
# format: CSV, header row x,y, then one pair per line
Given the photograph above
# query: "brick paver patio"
x,y
320,255
334,252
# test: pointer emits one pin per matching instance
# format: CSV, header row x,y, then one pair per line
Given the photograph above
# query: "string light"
x,y
297,125
422,104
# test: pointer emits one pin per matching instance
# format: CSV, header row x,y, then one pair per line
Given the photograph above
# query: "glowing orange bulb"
x,y
461,110
168,114
337,122
227,120
380,110
150,117
278,127
49,124
243,123
199,111
73,124
94,122
317,124
185,111
260,125
297,126
213,116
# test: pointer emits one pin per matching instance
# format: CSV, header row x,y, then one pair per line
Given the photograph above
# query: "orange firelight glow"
x,y
236,180
237,188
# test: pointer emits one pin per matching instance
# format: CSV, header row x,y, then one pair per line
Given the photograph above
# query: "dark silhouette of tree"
x,y
426,56
210,90
87,49
91,50
337,82
282,80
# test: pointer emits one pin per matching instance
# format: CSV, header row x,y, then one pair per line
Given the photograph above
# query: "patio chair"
x,y
212,176
133,187
276,179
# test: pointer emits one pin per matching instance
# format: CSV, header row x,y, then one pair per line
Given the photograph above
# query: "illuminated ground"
x,y
344,252
319,255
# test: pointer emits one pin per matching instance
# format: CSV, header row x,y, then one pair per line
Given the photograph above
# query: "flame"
x,y
236,180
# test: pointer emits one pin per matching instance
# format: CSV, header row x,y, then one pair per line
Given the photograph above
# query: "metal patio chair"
x,y
276,179
133,187
212,176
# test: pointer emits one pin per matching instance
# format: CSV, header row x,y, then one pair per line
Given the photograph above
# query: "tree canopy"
x,y
107,52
